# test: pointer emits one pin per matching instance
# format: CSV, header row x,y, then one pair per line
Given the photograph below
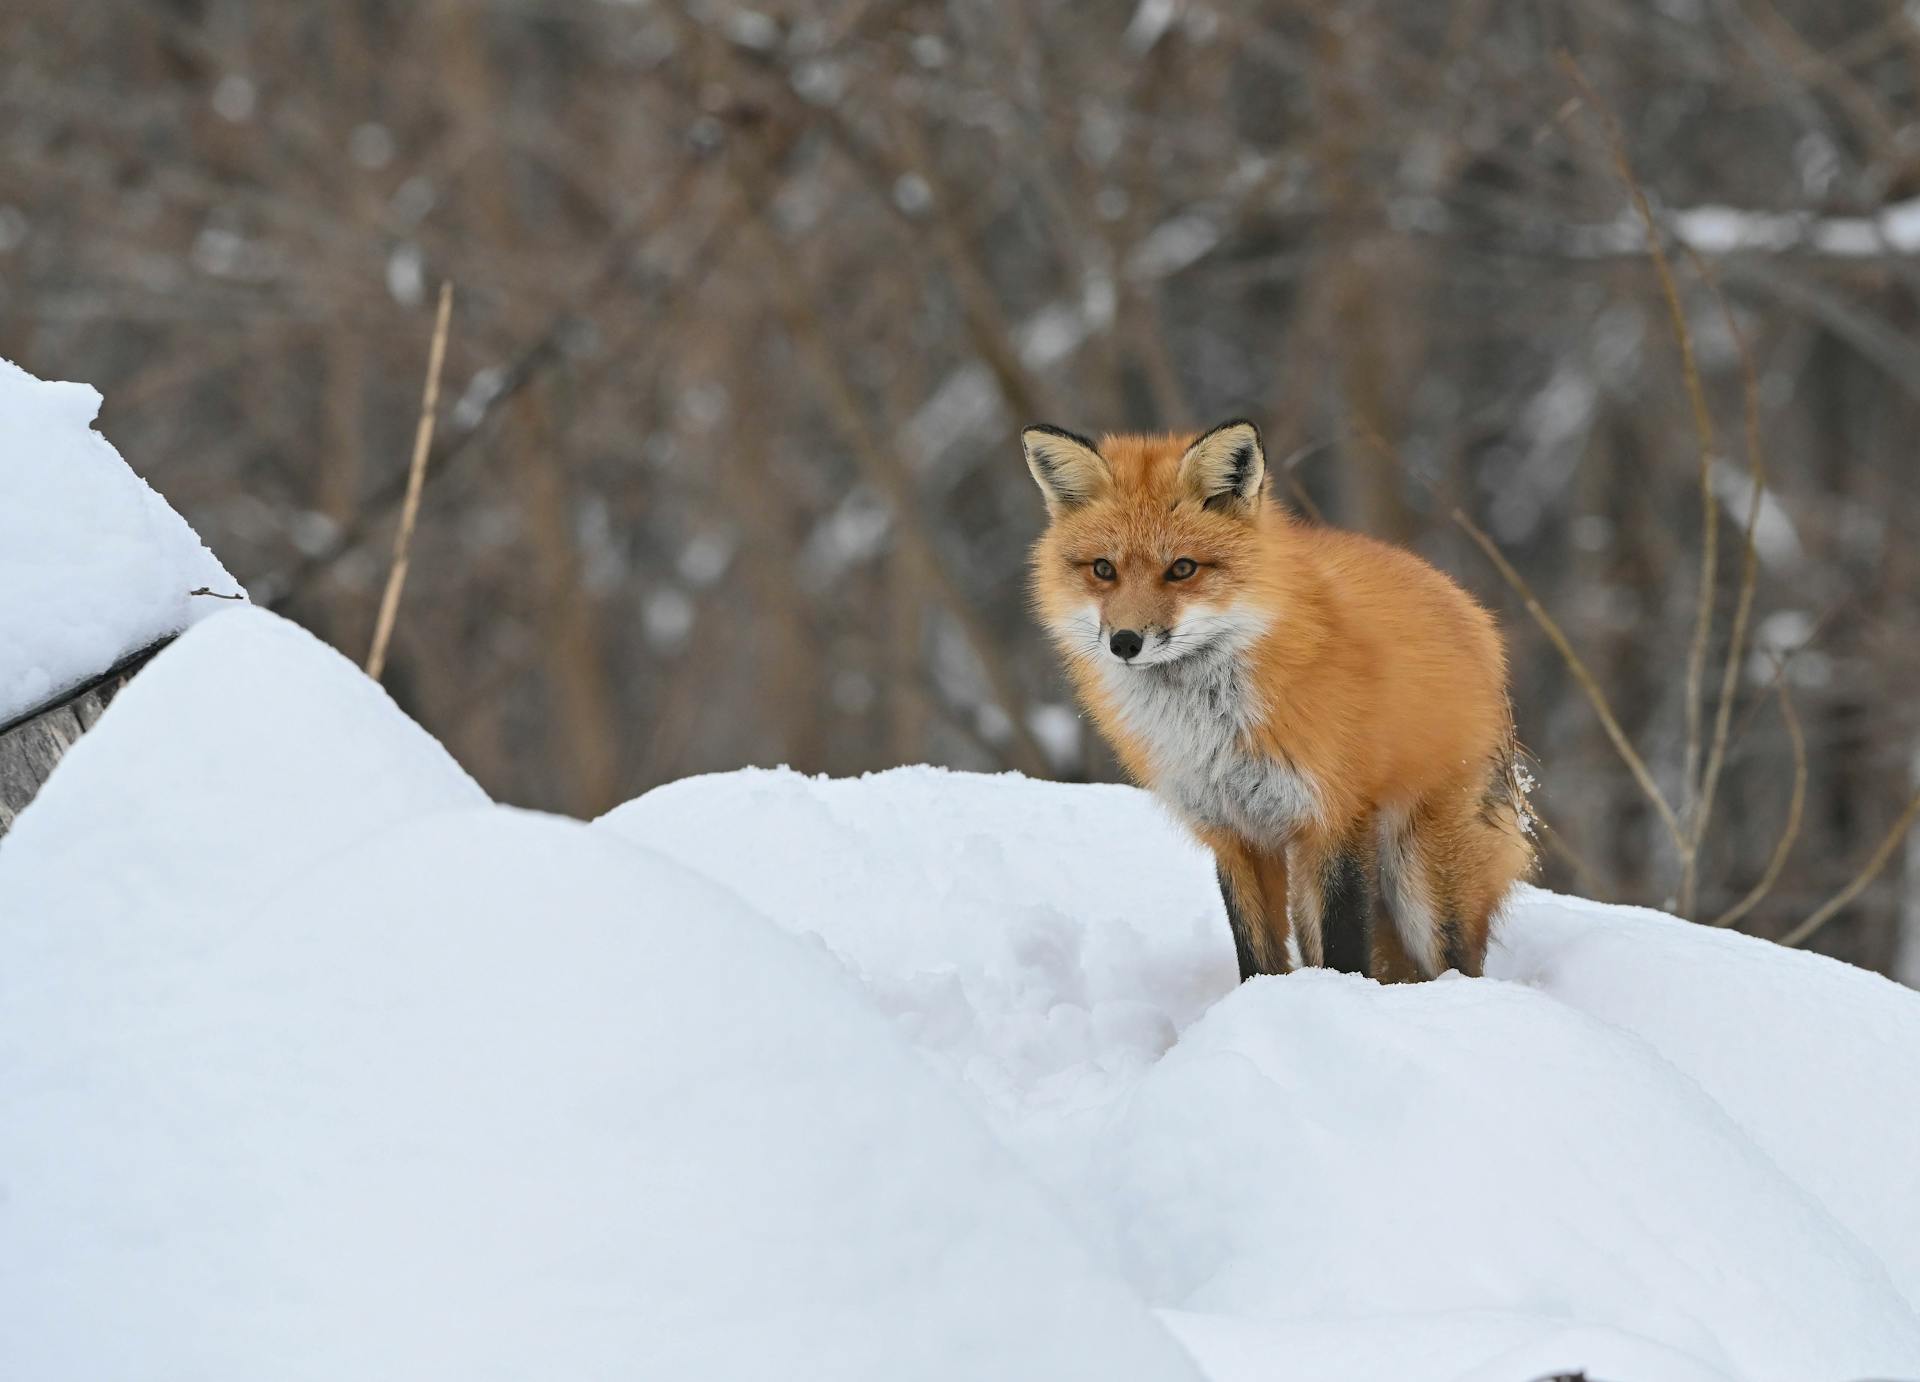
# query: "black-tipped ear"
x,y
1225,467
1066,467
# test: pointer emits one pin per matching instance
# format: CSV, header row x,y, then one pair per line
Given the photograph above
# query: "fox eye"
x,y
1103,569
1182,569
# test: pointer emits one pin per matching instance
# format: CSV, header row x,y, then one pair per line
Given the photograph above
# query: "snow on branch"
x,y
1720,230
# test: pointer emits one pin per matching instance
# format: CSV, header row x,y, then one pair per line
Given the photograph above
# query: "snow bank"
x,y
315,1064
225,787
1618,1153
1404,1152
93,564
1819,1062
1046,941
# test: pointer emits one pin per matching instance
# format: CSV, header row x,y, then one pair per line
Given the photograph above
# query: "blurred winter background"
x,y
751,301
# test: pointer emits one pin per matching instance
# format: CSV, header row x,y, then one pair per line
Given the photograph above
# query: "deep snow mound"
x,y
437,1089
1049,940
1463,1146
93,564
313,1063
1628,1134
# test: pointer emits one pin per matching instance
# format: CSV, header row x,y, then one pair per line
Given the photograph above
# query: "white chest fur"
x,y
1194,715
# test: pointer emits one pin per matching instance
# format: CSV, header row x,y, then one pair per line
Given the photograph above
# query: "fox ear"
x,y
1225,468
1066,467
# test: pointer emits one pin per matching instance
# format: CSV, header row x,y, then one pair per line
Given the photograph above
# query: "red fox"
x,y
1326,712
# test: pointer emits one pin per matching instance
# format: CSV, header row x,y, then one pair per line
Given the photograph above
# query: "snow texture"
x,y
315,1064
1640,1140
93,564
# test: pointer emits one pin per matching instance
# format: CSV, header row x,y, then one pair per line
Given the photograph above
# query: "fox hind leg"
x,y
1446,869
1489,857
1392,964
1415,890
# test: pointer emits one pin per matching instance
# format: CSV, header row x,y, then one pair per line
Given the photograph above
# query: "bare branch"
x,y
1749,566
1595,696
1295,488
543,353
1790,832
1703,429
802,321
1868,872
416,476
1591,884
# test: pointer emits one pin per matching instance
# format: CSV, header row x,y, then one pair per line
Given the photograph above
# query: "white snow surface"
x,y
93,564
315,1064
1640,1146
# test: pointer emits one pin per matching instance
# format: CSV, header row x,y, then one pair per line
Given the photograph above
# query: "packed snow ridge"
x,y
316,1064
93,564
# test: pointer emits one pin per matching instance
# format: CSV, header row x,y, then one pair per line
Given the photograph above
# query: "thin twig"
x,y
543,353
206,590
1295,488
1749,560
1868,872
1703,428
416,476
1790,832
1595,696
801,314
955,245
1782,663
1591,884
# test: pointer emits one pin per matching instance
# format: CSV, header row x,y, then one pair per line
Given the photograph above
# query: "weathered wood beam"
x,y
32,743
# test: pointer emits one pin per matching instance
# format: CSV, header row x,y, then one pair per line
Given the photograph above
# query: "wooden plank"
x,y
31,745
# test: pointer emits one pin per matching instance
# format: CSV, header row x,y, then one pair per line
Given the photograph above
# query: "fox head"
x,y
1151,553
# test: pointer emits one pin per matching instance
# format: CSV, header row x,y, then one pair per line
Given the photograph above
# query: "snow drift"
x,y
93,563
392,1083
313,1063
1633,1130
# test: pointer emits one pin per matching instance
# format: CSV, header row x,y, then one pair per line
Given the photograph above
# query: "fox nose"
x,y
1126,643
